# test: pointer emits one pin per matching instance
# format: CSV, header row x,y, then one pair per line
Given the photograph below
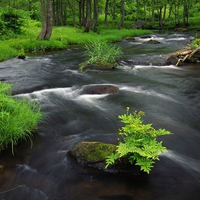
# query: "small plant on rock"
x,y
101,53
137,142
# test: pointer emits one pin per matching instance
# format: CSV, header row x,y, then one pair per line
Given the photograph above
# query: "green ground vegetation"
x,y
18,35
62,37
18,118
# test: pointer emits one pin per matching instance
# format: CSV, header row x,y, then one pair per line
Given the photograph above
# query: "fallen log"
x,y
184,55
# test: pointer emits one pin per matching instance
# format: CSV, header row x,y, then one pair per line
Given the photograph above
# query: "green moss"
x,y
92,152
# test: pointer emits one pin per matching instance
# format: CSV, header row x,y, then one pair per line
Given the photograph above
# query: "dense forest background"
x,y
93,13
25,25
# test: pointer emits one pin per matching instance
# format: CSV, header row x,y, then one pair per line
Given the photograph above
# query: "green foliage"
x,y
11,22
196,43
137,142
101,53
18,118
6,51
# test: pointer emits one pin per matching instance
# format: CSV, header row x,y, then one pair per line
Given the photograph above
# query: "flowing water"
x,y
169,96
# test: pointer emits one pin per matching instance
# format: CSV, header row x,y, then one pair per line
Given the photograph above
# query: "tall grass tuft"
x,y
18,118
101,53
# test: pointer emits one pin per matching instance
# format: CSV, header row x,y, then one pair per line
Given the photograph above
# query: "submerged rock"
x,y
171,60
151,41
100,67
101,89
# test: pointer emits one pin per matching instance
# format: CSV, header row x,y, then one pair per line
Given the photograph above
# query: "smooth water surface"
x,y
169,96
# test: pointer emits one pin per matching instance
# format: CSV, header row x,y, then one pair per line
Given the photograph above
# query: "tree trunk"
x,y
88,19
152,12
185,15
95,22
106,14
121,24
64,13
44,21
137,10
82,13
145,11
59,12
170,12
176,15
47,20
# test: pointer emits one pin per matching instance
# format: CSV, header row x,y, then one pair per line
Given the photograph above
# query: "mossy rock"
x,y
90,152
104,66
94,154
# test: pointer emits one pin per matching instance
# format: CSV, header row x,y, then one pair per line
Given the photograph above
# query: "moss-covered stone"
x,y
87,152
94,154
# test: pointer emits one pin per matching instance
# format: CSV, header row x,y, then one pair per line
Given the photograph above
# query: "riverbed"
x,y
169,96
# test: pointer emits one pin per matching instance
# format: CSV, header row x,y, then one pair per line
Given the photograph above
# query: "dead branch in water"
x,y
187,55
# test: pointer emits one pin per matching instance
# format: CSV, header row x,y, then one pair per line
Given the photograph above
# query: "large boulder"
x,y
101,89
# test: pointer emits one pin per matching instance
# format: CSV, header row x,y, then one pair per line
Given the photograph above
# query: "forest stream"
x,y
169,96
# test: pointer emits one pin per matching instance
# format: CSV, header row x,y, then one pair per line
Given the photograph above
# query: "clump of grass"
x,y
7,52
101,53
18,118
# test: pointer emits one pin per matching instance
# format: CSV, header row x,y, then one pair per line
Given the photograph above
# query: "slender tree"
x,y
95,18
121,24
47,19
88,18
106,13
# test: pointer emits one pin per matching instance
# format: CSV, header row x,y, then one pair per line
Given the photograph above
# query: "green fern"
x,y
137,142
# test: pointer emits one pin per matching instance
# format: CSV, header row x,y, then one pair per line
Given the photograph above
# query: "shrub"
x,y
11,23
101,53
18,118
137,142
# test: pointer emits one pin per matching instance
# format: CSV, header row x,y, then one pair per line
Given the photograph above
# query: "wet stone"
x,y
101,89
